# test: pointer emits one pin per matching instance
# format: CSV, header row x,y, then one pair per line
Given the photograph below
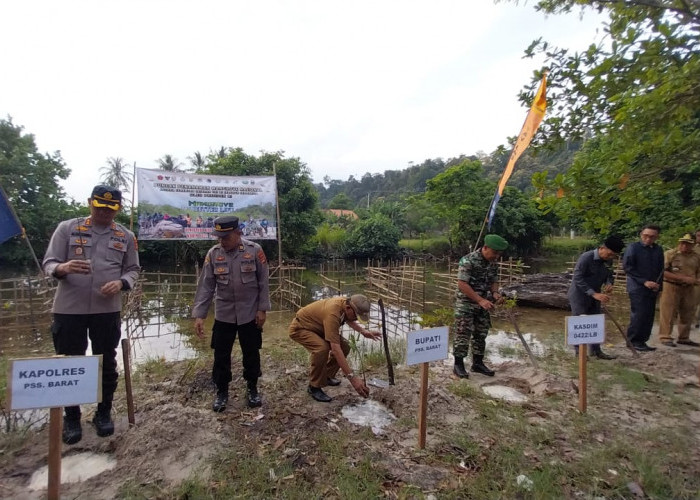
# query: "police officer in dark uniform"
x,y
235,273
94,260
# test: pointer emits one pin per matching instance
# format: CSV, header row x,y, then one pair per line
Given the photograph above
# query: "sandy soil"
x,y
176,431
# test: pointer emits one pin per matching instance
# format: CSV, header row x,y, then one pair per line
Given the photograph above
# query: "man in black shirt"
x,y
644,266
592,281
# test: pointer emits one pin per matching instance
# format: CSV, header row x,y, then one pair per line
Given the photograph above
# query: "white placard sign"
x,y
423,346
54,382
585,329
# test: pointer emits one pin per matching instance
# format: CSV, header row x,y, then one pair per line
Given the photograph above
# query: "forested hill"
x,y
353,193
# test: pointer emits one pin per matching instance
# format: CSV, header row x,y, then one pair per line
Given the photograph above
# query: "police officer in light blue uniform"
x,y
94,260
235,274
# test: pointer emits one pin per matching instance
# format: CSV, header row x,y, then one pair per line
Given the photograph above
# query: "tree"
x,y
462,196
375,237
341,201
169,164
197,160
634,98
298,200
115,174
31,181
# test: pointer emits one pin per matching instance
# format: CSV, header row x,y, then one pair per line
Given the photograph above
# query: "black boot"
x,y
318,394
598,353
221,401
254,399
459,369
333,382
72,429
478,366
103,419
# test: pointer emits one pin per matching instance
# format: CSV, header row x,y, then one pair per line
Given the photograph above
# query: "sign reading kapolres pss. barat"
x,y
54,382
183,206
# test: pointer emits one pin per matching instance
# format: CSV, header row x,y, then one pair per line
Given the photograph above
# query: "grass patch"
x,y
439,245
563,245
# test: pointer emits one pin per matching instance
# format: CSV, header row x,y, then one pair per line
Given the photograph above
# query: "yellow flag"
x,y
532,122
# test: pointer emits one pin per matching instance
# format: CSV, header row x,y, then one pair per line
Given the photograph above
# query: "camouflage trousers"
x,y
471,326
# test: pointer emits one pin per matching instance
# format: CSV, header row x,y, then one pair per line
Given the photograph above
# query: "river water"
x,y
165,331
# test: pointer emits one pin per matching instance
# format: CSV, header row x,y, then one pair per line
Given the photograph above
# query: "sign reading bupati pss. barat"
x,y
585,329
183,206
423,346
54,382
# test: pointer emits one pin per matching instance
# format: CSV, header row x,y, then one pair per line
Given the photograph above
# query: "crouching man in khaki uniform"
x,y
317,327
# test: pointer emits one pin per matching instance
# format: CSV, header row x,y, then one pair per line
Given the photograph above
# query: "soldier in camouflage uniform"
x,y
477,276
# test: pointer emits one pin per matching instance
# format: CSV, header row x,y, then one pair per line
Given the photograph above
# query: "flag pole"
x,y
532,122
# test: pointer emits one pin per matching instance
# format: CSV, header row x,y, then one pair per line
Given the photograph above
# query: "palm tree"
x,y
169,163
197,161
116,174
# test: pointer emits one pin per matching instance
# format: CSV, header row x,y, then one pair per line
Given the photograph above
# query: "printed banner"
x,y
183,206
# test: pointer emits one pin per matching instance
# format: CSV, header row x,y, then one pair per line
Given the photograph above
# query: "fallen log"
x,y
547,290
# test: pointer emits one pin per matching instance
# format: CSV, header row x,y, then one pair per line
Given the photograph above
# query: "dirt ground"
x,y
176,431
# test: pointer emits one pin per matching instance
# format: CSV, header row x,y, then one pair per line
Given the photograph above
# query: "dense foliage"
x,y
635,98
462,196
375,238
31,181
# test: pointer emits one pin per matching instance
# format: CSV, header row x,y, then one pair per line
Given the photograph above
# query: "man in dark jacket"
x,y
644,266
592,281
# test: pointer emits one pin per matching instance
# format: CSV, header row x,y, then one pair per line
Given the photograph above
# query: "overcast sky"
x,y
348,87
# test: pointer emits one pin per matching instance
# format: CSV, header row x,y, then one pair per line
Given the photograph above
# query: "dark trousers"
x,y
70,337
643,308
222,339
585,305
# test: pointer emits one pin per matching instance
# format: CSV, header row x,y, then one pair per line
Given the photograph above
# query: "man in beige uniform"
x,y
681,275
94,259
235,274
317,327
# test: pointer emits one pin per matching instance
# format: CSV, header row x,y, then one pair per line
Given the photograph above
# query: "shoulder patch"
x,y
261,256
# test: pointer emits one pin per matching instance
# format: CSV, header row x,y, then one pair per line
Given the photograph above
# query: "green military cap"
x,y
495,242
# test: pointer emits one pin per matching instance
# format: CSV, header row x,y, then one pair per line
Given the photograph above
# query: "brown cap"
x,y
360,304
687,238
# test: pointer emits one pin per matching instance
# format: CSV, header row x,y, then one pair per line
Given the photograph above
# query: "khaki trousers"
x,y
675,301
323,362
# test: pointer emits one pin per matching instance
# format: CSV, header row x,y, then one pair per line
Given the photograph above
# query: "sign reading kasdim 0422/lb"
x,y
54,382
586,329
427,345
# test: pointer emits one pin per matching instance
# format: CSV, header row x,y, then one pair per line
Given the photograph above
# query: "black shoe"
x,y
220,402
72,430
103,423
643,348
483,369
602,355
318,394
459,369
478,366
254,399
688,342
333,382
670,343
